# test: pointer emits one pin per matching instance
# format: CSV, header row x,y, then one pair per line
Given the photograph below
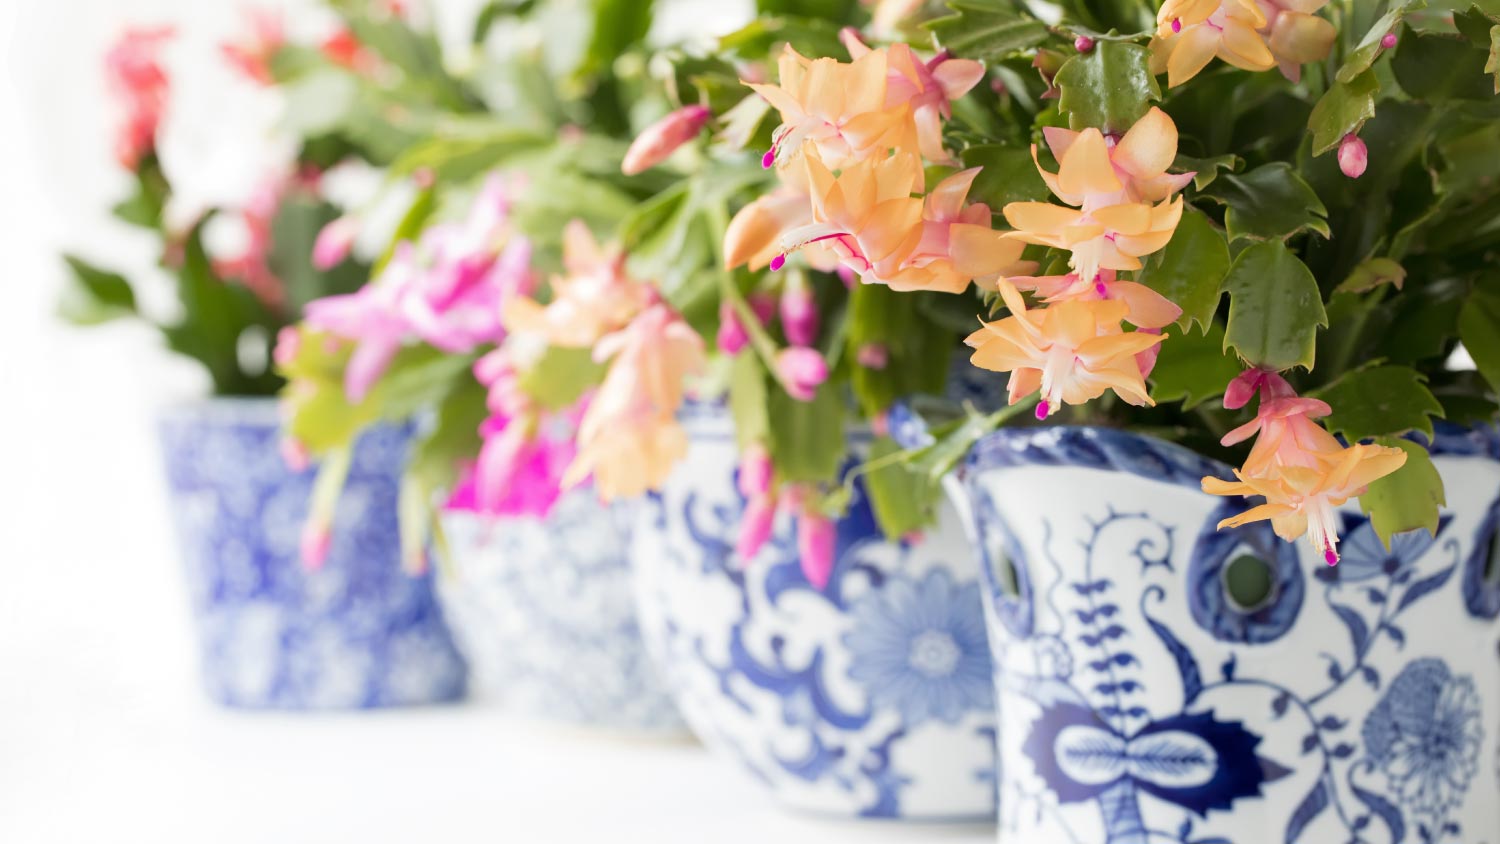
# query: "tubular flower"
x,y
1296,35
1144,307
754,235
1096,170
1110,238
866,214
593,298
629,438
838,109
1302,499
1071,351
957,243
1191,32
929,88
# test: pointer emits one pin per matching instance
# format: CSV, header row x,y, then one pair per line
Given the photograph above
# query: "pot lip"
x,y
243,409
1121,450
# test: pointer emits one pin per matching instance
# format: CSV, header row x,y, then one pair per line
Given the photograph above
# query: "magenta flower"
x,y
801,370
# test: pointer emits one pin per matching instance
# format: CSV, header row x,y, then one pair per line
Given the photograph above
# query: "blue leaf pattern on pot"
x,y
1425,735
920,647
1481,582
358,632
1352,705
872,697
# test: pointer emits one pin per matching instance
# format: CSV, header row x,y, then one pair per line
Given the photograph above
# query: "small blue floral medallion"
x,y
356,633
1143,698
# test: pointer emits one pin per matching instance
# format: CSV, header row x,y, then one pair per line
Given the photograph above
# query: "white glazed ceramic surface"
x,y
543,611
870,698
1140,703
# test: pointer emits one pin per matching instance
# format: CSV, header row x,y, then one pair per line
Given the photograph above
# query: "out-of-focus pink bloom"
x,y
755,471
732,336
873,356
593,297
929,88
288,343
137,80
334,242
662,138
1354,156
801,371
817,537
294,454
755,527
520,466
799,315
251,267
252,53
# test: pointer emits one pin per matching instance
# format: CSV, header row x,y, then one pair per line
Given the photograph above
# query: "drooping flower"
x,y
594,296
835,108
1296,35
136,78
928,88
1303,499
662,138
1191,32
817,540
1071,351
1095,170
866,214
957,245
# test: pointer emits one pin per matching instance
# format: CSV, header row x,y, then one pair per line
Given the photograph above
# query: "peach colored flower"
x,y
1096,171
1286,436
1191,32
1110,238
1144,307
591,299
929,88
1071,351
957,243
1296,35
838,109
1302,499
866,214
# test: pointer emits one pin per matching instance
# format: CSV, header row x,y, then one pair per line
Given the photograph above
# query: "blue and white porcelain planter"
x,y
1140,702
544,611
356,633
869,698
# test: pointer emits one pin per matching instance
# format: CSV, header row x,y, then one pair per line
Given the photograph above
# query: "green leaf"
x,y
1406,499
460,158
1364,54
1440,67
903,498
748,396
294,231
807,35
434,464
1275,308
1191,269
215,314
94,296
919,351
1342,110
807,441
1479,330
618,27
1193,368
1380,401
987,30
1270,202
1372,273
1009,175
1492,64
409,229
1107,88
561,376
1205,170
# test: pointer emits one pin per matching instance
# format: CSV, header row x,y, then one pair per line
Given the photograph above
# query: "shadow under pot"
x,y
357,632
1162,680
543,611
871,697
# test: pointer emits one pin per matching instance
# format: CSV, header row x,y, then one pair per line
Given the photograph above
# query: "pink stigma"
x,y
1331,557
1389,40
1176,25
1101,290
767,160
1042,409
778,262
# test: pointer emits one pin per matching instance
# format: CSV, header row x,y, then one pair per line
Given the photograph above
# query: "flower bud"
x,y
1354,157
1083,44
799,315
801,370
755,472
663,137
732,337
294,454
755,527
816,541
334,243
288,343
317,539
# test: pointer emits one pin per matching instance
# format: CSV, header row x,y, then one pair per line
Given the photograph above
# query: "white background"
x,y
104,736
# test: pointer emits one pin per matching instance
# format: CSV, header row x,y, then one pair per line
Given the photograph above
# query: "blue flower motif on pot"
x,y
544,612
872,697
1344,706
1425,735
357,632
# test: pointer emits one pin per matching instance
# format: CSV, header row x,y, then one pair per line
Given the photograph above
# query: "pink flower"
x,y
801,370
817,537
929,88
873,356
136,78
295,455
732,336
317,540
755,527
1354,156
799,315
755,472
252,54
334,242
662,138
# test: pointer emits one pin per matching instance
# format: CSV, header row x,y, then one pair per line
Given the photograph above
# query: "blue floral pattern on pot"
x,y
869,698
356,633
1144,698
545,613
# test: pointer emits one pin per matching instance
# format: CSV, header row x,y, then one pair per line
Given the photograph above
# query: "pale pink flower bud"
x,y
317,538
802,370
880,424
732,336
799,315
295,455
1354,157
1242,389
663,137
755,472
755,527
334,242
816,540
873,356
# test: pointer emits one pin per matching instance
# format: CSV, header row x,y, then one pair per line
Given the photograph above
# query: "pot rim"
x,y
228,408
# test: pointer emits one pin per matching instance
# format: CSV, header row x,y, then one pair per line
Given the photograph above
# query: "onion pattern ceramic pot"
x,y
871,697
544,611
1160,680
357,632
